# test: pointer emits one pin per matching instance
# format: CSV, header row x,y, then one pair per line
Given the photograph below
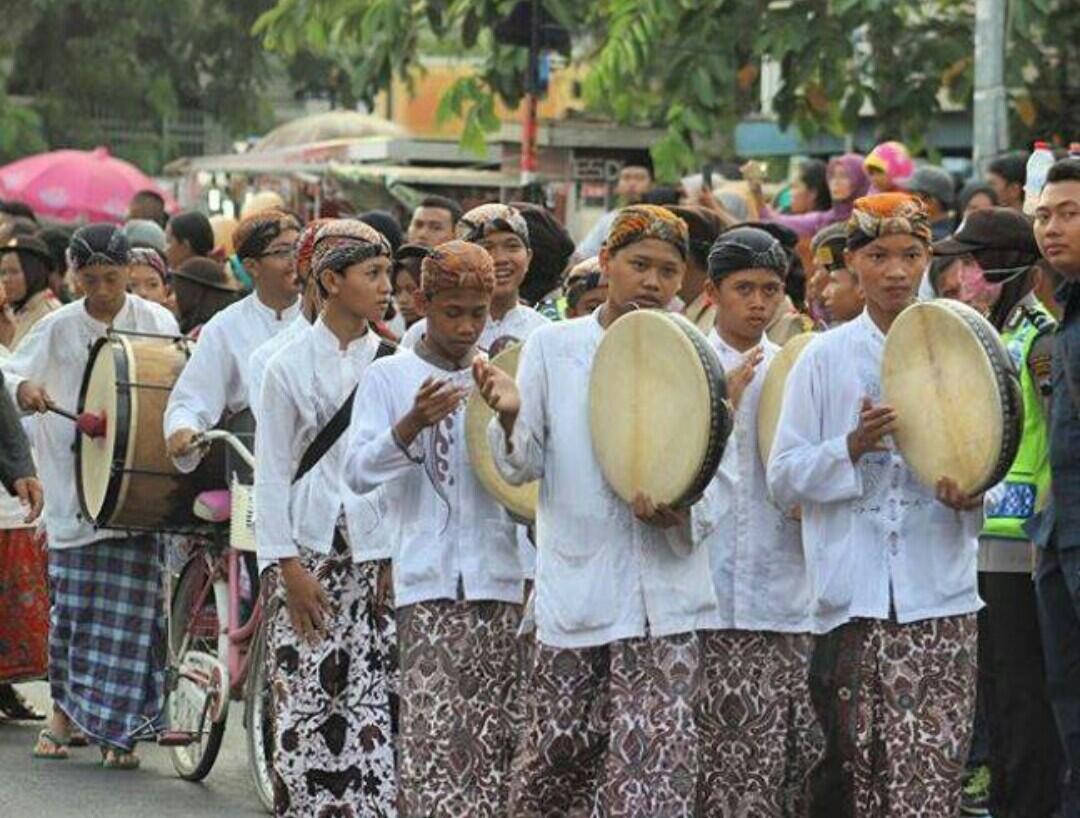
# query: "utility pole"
x,y
529,162
991,113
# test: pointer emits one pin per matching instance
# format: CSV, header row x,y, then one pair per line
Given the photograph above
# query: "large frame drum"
x,y
125,478
658,409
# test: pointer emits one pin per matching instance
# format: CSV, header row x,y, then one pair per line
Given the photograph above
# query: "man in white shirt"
x,y
214,380
458,580
758,753
433,221
324,539
892,562
620,601
105,666
503,232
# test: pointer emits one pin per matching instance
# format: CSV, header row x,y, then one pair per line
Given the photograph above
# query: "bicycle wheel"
x,y
199,688
259,714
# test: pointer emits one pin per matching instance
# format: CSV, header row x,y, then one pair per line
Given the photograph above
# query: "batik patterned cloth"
x,y
612,732
24,606
107,637
459,707
887,214
897,704
334,702
639,222
760,737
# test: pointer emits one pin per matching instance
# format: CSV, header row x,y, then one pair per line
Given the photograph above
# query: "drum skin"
x,y
772,391
126,480
658,410
520,501
956,393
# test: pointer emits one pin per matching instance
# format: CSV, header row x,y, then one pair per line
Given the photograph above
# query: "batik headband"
x,y
255,233
747,248
305,247
887,214
149,257
640,222
96,244
457,265
486,219
345,242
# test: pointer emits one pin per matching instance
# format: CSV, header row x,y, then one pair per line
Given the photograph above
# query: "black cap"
x,y
1001,239
30,244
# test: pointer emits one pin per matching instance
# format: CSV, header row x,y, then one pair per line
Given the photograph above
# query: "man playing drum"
x,y
215,379
759,752
107,622
892,562
332,736
620,600
458,580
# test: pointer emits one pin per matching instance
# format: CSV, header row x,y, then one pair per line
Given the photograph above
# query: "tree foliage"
x,y
692,65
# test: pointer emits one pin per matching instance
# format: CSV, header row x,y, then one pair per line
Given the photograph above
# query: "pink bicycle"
x,y
217,635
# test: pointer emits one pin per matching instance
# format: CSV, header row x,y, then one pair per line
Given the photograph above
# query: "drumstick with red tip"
x,y
89,423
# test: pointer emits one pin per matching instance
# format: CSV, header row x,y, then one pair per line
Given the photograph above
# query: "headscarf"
x,y
305,247
640,222
892,159
747,248
344,242
457,265
149,257
492,218
828,245
887,214
585,276
552,248
98,244
255,232
853,165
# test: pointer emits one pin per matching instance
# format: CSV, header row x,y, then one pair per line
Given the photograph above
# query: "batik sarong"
x,y
612,731
333,702
459,707
760,737
897,704
24,606
107,638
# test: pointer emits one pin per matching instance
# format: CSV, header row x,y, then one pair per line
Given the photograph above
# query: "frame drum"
x,y
125,478
658,410
956,393
520,501
772,391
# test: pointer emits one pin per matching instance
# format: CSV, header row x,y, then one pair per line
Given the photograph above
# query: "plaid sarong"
x,y
107,637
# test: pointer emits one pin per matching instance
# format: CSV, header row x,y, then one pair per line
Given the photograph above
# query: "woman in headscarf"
x,y
847,182
149,278
25,266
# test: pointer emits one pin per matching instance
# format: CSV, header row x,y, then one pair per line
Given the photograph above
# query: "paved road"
x,y
80,788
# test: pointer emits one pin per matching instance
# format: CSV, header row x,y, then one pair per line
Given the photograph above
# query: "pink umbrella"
x,y
76,186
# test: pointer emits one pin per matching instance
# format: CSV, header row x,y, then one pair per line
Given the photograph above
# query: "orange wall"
x,y
416,112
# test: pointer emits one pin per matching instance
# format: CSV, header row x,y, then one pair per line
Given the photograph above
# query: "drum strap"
x,y
328,435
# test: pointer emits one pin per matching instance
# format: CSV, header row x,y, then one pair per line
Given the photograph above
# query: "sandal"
x,y
15,707
113,759
50,746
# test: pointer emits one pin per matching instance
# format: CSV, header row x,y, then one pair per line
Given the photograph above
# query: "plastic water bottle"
x,y
1037,167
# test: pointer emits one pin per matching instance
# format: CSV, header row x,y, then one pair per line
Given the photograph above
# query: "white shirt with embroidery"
x,y
601,574
305,384
876,539
55,353
755,548
450,538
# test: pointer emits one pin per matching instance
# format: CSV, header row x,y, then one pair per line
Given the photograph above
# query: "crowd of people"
x,y
819,634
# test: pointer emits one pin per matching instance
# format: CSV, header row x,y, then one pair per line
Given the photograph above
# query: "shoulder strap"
x,y
328,435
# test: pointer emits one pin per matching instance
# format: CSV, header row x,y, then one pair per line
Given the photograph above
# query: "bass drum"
x,y
773,389
658,409
956,393
125,478
520,501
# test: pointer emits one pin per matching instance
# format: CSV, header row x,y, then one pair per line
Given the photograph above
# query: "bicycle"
x,y
217,654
